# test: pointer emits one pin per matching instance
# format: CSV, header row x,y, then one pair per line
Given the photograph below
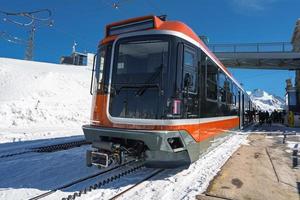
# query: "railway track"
x,y
136,184
98,184
114,178
102,178
116,171
47,148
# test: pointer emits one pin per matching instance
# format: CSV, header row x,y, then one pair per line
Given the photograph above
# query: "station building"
x,y
293,91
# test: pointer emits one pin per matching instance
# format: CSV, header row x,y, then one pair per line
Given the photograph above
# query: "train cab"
x,y
159,95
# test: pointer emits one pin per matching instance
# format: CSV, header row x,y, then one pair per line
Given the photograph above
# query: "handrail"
x,y
92,79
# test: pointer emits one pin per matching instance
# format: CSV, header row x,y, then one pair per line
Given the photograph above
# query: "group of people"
x,y
274,117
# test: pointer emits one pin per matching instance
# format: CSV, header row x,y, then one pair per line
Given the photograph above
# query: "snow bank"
x,y
36,95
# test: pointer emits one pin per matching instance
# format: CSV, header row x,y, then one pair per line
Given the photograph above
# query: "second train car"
x,y
159,94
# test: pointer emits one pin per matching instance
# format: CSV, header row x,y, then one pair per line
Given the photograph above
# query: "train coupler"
x,y
104,159
101,159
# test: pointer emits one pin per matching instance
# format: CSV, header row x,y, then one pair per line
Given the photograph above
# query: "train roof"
x,y
152,22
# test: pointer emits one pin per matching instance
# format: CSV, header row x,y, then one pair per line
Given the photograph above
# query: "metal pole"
x,y
33,22
30,45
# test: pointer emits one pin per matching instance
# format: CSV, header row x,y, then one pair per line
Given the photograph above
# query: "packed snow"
x,y
186,184
266,101
28,175
42,100
32,177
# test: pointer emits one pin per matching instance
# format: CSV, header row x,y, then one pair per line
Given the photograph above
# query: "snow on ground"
x,y
42,100
188,183
26,176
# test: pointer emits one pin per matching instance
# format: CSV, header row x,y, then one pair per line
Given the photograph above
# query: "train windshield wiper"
x,y
133,85
149,83
141,91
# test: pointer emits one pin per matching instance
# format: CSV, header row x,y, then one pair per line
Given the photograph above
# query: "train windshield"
x,y
138,78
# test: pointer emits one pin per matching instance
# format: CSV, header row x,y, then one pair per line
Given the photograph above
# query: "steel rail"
x,y
48,148
96,185
138,183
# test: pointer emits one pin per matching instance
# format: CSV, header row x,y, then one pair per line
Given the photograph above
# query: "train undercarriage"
x,y
110,151
159,149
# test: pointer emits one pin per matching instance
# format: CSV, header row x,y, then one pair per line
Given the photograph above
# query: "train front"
x,y
137,98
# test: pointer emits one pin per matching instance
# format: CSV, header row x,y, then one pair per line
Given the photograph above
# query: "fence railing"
x,y
252,47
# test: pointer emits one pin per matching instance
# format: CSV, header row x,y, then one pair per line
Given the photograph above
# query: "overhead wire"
x,y
35,15
30,14
35,20
12,39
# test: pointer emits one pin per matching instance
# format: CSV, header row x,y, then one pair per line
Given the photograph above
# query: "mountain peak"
x,y
266,101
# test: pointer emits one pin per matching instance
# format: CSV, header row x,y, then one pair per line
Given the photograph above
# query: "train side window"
x,y
223,87
190,70
229,93
211,80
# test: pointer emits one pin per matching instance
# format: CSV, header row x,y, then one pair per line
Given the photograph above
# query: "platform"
x,y
266,168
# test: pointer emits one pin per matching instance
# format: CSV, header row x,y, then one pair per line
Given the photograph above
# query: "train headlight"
x,y
175,142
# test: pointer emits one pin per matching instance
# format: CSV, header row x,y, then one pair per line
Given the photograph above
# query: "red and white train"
x,y
159,94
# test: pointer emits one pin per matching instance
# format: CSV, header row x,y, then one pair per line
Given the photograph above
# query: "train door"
x,y
243,110
190,82
240,109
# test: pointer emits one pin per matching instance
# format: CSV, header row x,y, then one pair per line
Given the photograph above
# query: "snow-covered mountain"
x,y
266,101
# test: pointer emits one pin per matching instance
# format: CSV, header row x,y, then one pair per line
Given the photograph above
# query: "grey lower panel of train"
x,y
159,152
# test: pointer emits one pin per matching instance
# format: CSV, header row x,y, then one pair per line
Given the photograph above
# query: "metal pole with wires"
x,y
33,20
30,45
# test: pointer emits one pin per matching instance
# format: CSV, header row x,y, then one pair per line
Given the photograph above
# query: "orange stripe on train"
x,y
199,132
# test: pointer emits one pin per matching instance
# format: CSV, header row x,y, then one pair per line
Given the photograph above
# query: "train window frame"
x,y
120,65
215,83
138,39
222,98
191,69
229,95
163,87
235,94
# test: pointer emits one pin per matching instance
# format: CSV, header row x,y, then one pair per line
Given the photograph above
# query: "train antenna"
x,y
163,17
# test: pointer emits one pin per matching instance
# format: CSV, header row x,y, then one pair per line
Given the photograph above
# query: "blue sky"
x,y
223,21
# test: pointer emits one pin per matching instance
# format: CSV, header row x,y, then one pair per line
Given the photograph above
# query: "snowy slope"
x,y
36,96
266,101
